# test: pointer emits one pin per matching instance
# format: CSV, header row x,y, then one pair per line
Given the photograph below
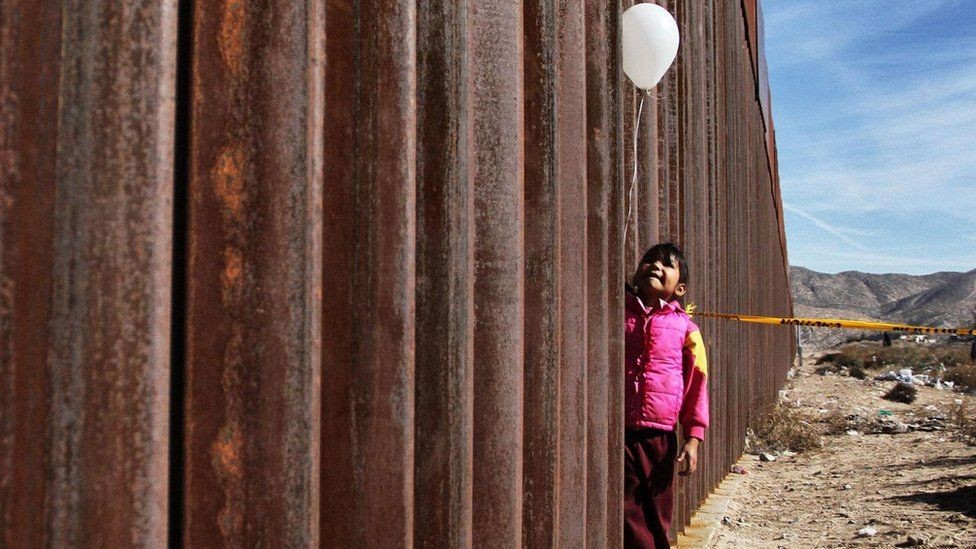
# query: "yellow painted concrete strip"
x,y
707,519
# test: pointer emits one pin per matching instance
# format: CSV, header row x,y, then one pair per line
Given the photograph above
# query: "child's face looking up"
x,y
659,280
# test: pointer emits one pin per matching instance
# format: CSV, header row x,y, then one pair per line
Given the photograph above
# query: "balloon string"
x,y
633,180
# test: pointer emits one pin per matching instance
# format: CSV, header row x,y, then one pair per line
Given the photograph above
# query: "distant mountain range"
x,y
943,299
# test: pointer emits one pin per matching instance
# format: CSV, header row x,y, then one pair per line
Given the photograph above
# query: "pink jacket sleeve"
x,y
694,406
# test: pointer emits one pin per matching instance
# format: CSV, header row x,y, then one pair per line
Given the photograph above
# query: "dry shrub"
x,y
921,358
841,363
963,417
827,358
902,392
836,422
953,356
963,376
784,427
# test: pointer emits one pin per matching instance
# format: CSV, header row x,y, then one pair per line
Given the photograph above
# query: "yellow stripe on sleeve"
x,y
697,347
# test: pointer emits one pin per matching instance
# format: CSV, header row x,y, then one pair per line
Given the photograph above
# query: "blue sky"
x,y
875,110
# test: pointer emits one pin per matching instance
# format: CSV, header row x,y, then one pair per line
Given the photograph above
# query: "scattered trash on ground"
x,y
739,470
867,532
905,376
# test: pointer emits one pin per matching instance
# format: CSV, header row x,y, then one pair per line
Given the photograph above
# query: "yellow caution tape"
x,y
837,323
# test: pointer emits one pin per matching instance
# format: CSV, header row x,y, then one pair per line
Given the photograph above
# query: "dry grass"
x,y
783,427
963,417
947,361
919,357
964,376
836,422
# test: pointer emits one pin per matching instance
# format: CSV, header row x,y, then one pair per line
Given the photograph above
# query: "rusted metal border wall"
x,y
349,274
86,195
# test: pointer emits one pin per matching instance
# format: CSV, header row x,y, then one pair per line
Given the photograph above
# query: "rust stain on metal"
x,y
229,182
231,38
231,277
227,452
254,274
227,461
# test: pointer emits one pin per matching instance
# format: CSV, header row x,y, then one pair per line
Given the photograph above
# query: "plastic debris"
x,y
766,457
739,470
893,427
867,532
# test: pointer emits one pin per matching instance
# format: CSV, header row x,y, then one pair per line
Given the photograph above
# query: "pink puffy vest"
x,y
665,369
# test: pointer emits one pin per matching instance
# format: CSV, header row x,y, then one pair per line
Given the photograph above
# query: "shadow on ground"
x,y
947,462
961,500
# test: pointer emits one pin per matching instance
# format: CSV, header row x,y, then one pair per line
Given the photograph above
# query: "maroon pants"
x,y
648,478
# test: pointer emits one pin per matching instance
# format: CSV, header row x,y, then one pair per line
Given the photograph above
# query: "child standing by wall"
x,y
665,383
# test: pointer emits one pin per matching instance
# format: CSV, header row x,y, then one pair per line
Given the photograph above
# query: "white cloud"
x,y
834,230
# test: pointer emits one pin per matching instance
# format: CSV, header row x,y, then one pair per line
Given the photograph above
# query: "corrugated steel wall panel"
x,y
367,440
399,248
497,163
87,95
253,274
444,412
29,72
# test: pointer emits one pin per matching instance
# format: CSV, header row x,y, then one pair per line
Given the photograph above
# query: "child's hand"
x,y
688,456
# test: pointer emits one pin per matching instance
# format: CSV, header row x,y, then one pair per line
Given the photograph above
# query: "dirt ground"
x,y
919,483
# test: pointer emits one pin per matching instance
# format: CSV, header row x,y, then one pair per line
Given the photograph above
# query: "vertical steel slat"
x,y
570,176
628,111
606,272
369,273
651,140
541,331
254,283
616,273
668,91
495,58
29,68
110,300
598,183
445,306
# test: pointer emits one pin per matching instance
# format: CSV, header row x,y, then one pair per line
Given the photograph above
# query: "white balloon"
x,y
650,36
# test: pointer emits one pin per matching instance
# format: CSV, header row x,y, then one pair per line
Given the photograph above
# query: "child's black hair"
x,y
667,253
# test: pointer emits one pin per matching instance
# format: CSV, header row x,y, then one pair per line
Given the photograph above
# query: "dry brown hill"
x,y
946,299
